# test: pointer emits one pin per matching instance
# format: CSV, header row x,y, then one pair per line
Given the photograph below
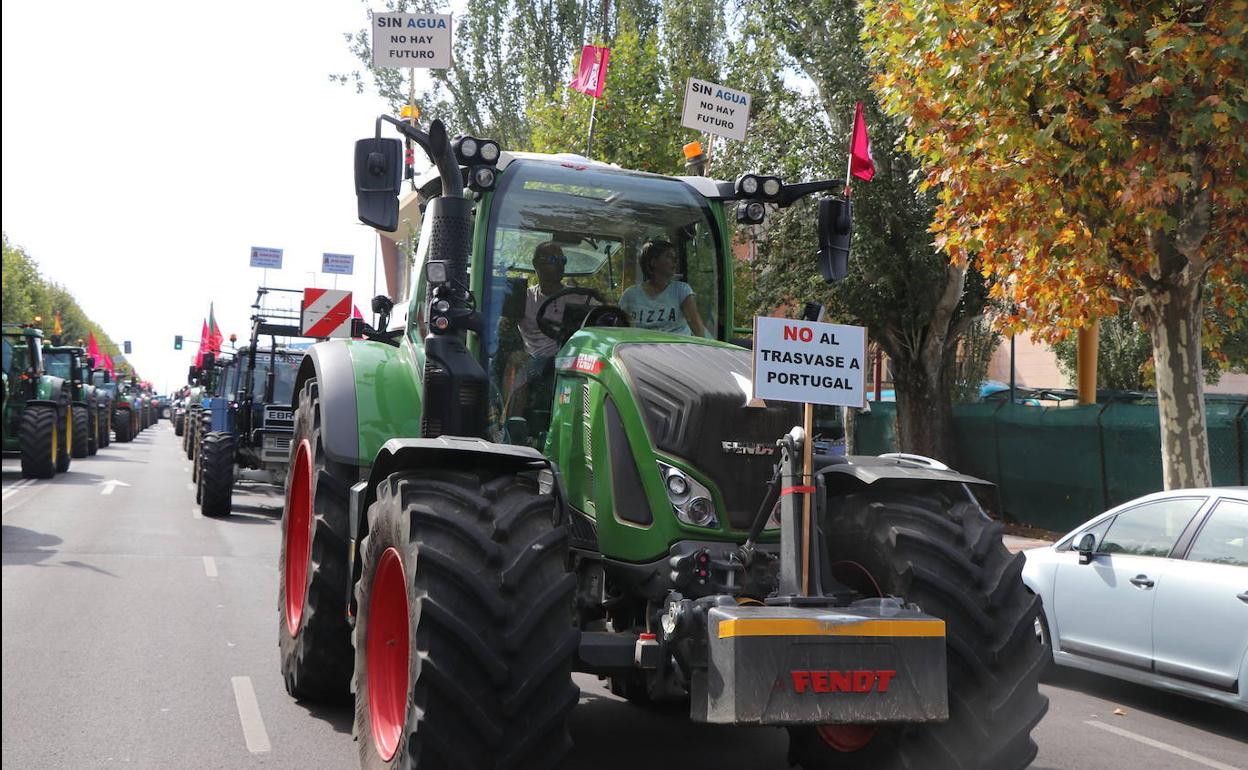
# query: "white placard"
x,y
412,40
269,259
342,264
809,362
715,109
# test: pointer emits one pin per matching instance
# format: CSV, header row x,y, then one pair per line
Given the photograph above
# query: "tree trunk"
x,y
1172,312
924,411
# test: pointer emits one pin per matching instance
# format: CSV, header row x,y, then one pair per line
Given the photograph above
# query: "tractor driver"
x,y
535,363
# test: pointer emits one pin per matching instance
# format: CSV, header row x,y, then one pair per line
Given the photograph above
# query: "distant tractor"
x,y
38,418
552,462
250,435
71,364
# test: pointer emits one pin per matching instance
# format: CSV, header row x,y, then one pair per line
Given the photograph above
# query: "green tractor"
x,y
90,419
38,419
552,463
106,396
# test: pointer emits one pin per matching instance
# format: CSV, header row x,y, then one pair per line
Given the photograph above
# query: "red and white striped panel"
x,y
326,313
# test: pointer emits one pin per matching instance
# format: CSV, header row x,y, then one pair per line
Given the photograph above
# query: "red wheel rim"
x,y
388,648
846,738
298,535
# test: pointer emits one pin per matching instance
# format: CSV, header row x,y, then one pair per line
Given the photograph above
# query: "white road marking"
x,y
254,734
195,514
190,487
210,566
18,487
110,485
1206,761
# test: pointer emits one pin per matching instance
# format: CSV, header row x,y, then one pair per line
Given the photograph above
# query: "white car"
x,y
1154,591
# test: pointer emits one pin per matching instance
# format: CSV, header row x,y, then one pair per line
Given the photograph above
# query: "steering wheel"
x,y
607,315
556,330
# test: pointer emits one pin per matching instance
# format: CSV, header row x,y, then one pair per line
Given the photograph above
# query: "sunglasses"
x,y
553,259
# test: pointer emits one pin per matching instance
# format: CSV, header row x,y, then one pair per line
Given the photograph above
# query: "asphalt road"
x,y
136,634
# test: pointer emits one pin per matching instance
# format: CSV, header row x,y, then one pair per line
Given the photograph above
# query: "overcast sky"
x,y
148,145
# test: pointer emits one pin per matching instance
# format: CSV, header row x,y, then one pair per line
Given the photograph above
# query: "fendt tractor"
x,y
127,411
538,469
71,364
38,421
249,433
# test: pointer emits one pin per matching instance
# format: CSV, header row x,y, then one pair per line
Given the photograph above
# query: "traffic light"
x,y
177,342
126,346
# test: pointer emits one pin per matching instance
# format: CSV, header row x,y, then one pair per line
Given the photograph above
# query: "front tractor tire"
x,y
82,433
121,425
38,439
216,475
933,548
105,429
313,634
65,446
465,639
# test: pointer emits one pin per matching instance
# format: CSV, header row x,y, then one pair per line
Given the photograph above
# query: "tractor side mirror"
x,y
382,305
836,230
210,360
1086,547
378,179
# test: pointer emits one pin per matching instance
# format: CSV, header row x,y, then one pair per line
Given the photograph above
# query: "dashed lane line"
x,y
210,566
18,487
1156,744
254,734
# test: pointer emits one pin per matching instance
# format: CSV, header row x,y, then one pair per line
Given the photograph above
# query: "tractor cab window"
x,y
572,246
59,365
15,359
285,368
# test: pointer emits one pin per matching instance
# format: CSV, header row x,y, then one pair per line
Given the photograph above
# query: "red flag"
x,y
355,312
108,363
214,332
203,346
93,351
591,75
861,164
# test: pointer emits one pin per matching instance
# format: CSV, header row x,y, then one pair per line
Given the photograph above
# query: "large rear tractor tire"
x,y
465,635
65,446
81,446
216,475
313,634
188,435
37,436
106,427
935,549
178,422
121,425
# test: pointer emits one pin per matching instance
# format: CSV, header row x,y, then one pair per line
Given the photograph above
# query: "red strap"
x,y
797,490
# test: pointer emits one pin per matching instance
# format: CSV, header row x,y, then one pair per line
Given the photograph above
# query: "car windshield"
x,y
646,244
59,365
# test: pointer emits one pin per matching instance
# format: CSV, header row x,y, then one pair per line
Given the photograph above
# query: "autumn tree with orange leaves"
x,y
1092,155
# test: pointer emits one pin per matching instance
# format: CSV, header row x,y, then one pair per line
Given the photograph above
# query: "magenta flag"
x,y
591,75
93,351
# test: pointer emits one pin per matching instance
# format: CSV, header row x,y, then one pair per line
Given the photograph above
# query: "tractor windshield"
x,y
59,365
286,368
592,236
16,359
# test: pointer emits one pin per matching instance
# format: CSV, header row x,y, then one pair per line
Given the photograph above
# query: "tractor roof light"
x,y
771,187
490,151
751,213
747,185
465,148
482,178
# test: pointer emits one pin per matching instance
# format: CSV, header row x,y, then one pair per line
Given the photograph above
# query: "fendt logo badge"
x,y
842,681
747,448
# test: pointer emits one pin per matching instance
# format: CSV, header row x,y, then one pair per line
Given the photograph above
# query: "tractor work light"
x,y
759,187
435,271
747,185
490,151
465,148
771,187
752,213
482,178
691,501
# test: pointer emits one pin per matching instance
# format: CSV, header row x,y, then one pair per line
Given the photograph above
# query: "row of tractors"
x,y
234,414
59,406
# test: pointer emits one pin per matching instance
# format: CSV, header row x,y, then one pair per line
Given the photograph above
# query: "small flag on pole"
x,y
861,164
591,75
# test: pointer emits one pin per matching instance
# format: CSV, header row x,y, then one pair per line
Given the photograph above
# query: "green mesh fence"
x,y
1058,466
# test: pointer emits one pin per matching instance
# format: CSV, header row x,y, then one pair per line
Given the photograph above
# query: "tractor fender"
x,y
43,402
844,475
330,363
444,452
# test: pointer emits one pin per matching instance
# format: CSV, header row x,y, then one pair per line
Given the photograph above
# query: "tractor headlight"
x,y
771,187
467,148
489,152
747,185
691,501
482,178
751,213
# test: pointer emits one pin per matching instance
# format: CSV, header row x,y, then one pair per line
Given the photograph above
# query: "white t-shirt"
x,y
537,344
662,311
